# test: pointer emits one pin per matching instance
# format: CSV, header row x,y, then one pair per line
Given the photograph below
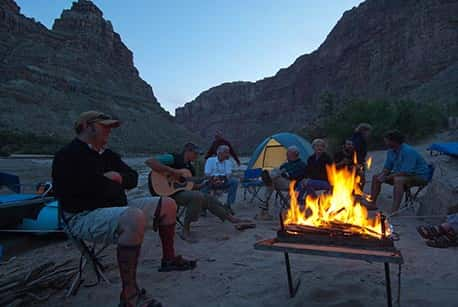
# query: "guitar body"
x,y
166,185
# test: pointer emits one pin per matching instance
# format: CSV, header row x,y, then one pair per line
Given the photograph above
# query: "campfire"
x,y
337,217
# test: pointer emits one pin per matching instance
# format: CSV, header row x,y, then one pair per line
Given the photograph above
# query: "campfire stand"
x,y
366,254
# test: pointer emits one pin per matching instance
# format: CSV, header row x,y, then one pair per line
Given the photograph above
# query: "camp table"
x,y
370,255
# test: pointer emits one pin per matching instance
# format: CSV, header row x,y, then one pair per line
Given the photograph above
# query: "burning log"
x,y
337,214
336,234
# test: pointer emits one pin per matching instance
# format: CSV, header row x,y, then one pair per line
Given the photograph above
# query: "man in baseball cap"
x,y
90,183
94,128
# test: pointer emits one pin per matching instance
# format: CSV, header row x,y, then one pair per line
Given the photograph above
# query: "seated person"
x,y
404,166
279,178
443,235
316,176
345,157
218,141
194,201
359,139
90,182
219,170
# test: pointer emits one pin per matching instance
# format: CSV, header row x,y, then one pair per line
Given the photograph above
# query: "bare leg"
x,y
168,211
376,187
398,192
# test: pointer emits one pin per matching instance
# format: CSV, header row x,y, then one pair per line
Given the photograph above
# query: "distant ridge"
x,y
382,49
47,77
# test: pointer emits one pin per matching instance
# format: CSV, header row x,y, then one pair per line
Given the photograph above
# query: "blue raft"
x,y
450,149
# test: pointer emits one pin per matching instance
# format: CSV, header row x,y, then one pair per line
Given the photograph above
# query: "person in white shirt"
x,y
218,169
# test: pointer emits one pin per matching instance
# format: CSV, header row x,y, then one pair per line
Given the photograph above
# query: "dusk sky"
x,y
182,48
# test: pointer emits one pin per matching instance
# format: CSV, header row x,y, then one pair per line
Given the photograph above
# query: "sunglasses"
x,y
99,118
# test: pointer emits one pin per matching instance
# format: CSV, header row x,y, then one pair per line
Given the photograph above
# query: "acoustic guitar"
x,y
166,185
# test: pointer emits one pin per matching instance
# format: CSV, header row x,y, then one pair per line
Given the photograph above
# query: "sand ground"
x,y
231,273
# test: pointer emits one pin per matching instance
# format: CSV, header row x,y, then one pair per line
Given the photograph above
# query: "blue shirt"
x,y
406,160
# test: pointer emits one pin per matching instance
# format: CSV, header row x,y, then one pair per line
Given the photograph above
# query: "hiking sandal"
x,y
442,242
177,264
429,232
142,300
432,231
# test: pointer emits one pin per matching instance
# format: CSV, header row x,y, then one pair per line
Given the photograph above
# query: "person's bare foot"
x,y
369,203
235,220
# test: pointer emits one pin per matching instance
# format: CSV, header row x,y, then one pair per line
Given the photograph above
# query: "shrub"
x,y
413,119
12,142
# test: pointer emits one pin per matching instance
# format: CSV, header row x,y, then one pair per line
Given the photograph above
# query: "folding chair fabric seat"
x,y
252,179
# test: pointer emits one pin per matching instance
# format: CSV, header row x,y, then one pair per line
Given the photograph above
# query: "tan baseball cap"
x,y
90,117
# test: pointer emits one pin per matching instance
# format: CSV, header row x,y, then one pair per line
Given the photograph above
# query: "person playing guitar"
x,y
178,167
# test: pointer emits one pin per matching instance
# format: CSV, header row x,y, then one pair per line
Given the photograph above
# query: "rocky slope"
x,y
47,77
381,49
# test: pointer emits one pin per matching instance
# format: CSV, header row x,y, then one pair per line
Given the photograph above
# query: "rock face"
x,y
48,77
382,49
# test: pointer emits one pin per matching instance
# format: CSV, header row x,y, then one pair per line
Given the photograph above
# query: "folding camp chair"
x,y
180,212
252,183
88,254
284,200
411,198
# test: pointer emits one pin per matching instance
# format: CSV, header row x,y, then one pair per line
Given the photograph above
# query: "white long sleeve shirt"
x,y
215,167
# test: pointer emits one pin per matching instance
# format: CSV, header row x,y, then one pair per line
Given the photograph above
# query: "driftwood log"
x,y
24,286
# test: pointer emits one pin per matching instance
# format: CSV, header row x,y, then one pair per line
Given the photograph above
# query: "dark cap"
x,y
192,147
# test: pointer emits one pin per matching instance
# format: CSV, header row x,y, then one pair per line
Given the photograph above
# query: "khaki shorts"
x,y
412,181
101,225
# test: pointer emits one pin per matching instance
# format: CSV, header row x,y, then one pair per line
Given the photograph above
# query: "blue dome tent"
x,y
271,152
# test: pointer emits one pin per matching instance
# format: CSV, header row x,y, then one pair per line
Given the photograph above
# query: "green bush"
x,y
15,142
414,120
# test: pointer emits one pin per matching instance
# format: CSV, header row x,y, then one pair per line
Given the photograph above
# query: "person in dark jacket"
x,y
90,182
345,157
220,140
359,138
279,179
315,173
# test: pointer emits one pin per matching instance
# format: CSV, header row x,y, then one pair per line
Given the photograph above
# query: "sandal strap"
x,y
141,300
429,231
442,241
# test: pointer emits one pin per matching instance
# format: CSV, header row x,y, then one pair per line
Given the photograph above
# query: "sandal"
x,y
177,264
142,300
443,241
429,232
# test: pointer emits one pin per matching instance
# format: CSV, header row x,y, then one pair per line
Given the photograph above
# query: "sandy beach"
x,y
231,273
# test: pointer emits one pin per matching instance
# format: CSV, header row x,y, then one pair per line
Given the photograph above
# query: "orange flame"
x,y
369,162
355,158
339,208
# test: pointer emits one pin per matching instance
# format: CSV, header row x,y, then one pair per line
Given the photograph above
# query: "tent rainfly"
x,y
271,152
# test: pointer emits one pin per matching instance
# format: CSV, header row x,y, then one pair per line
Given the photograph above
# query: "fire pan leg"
x,y
399,286
292,288
388,284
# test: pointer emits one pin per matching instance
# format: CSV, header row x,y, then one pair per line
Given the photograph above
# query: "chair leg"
x,y
76,283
